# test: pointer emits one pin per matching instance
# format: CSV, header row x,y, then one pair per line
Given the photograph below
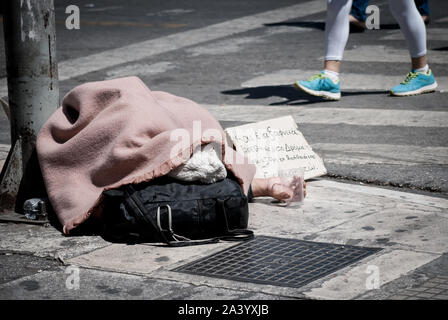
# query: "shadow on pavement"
x,y
390,26
299,24
320,25
441,49
289,95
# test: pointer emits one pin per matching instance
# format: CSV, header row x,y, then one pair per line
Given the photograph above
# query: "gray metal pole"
x,y
33,91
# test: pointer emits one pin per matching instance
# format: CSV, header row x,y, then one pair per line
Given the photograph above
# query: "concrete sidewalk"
x,y
412,229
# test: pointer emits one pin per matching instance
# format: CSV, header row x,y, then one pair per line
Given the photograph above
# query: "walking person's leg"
x,y
326,84
420,79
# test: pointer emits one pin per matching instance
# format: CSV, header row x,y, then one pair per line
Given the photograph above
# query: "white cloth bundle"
x,y
203,166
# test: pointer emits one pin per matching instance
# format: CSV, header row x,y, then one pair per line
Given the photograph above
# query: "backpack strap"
x,y
141,214
177,240
234,234
229,235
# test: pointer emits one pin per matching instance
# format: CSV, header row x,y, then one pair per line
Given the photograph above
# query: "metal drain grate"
x,y
434,289
277,261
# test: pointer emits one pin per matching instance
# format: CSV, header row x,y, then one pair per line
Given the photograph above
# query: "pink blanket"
x,y
110,133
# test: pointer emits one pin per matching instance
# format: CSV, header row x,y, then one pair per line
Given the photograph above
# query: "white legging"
x,y
404,11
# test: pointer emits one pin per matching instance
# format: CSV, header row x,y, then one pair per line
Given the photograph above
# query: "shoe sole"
x,y
425,89
323,94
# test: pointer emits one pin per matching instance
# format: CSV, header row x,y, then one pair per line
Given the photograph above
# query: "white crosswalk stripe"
x,y
432,34
403,155
382,53
442,20
140,69
318,115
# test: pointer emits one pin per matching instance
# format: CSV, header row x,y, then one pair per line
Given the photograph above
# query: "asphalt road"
x,y
250,60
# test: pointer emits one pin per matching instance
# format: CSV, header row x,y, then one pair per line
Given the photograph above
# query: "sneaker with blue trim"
x,y
415,83
320,85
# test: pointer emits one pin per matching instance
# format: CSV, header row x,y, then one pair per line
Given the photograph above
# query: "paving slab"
x,y
143,258
418,280
46,241
103,285
405,220
357,280
17,265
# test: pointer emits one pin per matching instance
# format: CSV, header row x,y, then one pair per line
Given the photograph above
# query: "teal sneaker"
x,y
320,85
415,83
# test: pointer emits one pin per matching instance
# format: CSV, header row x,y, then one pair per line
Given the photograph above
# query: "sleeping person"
x,y
111,133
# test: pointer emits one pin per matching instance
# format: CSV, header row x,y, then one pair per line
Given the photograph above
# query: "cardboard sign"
x,y
276,144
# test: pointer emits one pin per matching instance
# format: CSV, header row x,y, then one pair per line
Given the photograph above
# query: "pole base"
x,y
21,178
10,177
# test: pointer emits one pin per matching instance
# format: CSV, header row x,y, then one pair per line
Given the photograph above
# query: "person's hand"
x,y
277,189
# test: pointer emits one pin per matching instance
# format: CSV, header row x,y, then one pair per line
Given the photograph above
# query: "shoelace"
x,y
317,76
409,77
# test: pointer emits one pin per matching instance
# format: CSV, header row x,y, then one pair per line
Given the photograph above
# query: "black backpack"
x,y
177,213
